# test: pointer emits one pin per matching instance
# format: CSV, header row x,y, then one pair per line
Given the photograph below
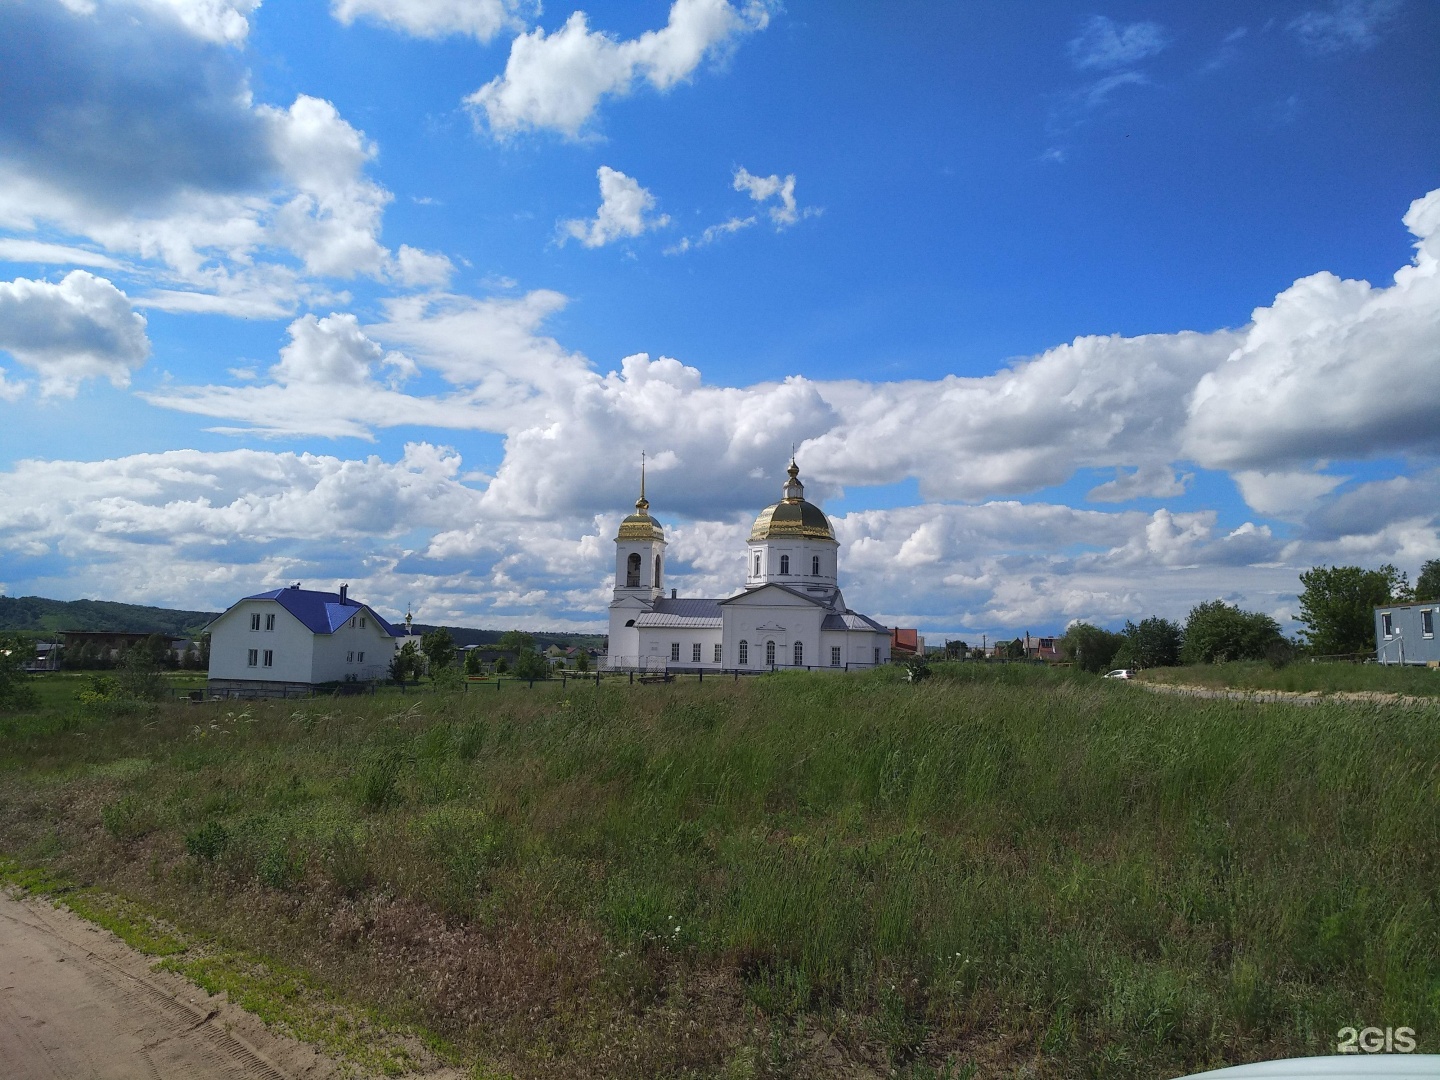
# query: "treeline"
x,y
38,614
154,651
1336,608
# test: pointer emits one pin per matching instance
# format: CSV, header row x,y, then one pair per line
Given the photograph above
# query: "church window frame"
x,y
814,565
834,655
770,653
757,564
695,653
675,652
784,564
632,571
877,656
657,571
744,653
799,652
718,652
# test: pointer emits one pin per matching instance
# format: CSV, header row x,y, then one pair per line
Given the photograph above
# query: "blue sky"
x,y
1072,312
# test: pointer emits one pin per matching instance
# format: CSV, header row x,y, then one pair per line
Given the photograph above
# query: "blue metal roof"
x,y
322,612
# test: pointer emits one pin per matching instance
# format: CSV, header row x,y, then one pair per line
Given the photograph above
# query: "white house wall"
x,y
231,639
336,655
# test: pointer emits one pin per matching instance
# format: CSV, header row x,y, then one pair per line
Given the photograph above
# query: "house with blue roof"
x,y
293,639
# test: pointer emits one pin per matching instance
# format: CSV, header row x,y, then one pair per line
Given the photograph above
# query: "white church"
x,y
790,614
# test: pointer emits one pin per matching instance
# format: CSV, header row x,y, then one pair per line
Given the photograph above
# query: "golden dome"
x,y
640,525
792,516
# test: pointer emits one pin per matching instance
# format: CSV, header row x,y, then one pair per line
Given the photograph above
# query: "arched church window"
x,y
814,565
770,653
757,564
657,571
784,564
744,652
632,571
799,654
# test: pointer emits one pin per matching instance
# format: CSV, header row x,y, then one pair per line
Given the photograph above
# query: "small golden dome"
x,y
792,516
640,525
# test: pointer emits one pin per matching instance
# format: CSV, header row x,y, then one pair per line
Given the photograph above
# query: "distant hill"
x,y
39,615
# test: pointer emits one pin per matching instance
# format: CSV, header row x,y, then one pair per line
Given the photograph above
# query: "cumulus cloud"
x,y
124,129
78,329
1346,25
1332,368
557,81
624,211
764,188
480,19
1104,44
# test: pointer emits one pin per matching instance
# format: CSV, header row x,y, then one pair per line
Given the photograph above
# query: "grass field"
x,y
1302,677
1000,872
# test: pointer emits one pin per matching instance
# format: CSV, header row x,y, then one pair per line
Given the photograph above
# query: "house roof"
x,y
657,618
322,612
773,585
687,608
852,620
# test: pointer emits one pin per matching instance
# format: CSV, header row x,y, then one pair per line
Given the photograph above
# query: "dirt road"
x,y
1287,697
77,1004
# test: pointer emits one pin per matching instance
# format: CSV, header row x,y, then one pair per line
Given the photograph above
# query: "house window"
x,y
799,654
784,564
657,571
877,657
632,572
695,653
770,653
1386,626
717,654
269,622
255,621
359,657
744,652
253,658
1427,622
834,655
757,565
269,657
362,623
675,650
350,657
814,565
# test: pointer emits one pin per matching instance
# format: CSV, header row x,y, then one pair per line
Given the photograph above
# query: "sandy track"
x,y
76,1003
1286,697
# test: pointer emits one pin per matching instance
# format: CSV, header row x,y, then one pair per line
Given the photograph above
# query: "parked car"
x,y
1120,673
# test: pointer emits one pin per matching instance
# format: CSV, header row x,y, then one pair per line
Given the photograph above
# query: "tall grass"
x,y
1303,677
1123,884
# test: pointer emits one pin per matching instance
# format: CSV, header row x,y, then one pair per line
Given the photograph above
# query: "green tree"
x,y
138,673
531,665
1427,584
1337,606
439,648
1090,648
1015,650
582,660
1216,632
1152,642
406,663
516,641
15,689
472,662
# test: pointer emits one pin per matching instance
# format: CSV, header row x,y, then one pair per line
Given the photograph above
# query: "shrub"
x,y
380,780
208,841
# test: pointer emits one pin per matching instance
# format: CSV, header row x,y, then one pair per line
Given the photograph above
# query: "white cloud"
x,y
1285,495
557,81
1346,25
36,251
78,329
624,206
1104,44
141,138
711,233
764,188
1332,368
1149,482
480,19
